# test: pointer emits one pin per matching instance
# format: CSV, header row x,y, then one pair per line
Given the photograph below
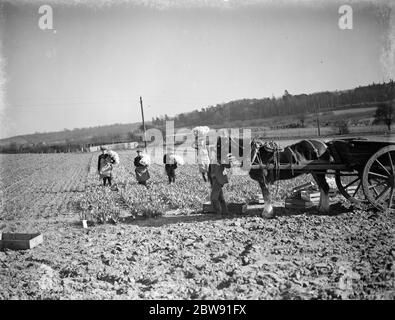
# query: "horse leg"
x,y
223,204
216,190
268,211
323,205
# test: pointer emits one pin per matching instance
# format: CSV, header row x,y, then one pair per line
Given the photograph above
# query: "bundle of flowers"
x,y
178,159
203,156
115,156
201,131
145,160
233,160
223,133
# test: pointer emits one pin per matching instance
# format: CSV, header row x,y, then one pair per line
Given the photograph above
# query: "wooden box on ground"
x,y
237,208
351,189
258,199
20,241
292,203
303,203
207,207
314,196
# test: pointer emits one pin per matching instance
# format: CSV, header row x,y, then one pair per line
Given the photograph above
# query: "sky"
x,y
96,62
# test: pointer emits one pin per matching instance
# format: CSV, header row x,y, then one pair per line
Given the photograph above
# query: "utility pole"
x,y
142,115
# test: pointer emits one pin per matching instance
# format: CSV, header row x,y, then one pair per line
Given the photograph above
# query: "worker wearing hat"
x,y
105,165
218,179
142,174
170,166
203,158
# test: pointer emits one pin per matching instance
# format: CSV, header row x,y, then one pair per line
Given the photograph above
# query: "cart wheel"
x,y
349,184
378,180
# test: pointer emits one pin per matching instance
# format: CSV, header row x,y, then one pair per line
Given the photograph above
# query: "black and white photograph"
x,y
224,151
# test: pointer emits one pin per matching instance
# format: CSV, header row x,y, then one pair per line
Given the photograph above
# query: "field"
x,y
164,247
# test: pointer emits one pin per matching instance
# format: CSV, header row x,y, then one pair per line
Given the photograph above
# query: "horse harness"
x,y
274,148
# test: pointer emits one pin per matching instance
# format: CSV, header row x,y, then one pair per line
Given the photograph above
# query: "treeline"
x,y
245,112
90,135
42,148
287,104
76,140
70,145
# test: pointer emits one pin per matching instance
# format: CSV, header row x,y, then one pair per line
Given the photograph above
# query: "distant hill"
x,y
257,110
87,136
287,111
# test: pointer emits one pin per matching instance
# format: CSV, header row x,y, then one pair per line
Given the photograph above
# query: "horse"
x,y
270,153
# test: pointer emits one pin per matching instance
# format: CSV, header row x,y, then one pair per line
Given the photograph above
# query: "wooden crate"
x,y
20,241
207,207
314,196
351,189
258,199
233,207
237,208
310,195
292,203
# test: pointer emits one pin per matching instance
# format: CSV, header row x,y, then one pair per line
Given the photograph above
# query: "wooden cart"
x,y
364,170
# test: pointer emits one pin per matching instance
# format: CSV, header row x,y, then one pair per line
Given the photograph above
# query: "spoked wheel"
x,y
349,184
378,180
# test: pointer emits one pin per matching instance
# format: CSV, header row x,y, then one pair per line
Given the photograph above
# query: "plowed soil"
x,y
298,255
